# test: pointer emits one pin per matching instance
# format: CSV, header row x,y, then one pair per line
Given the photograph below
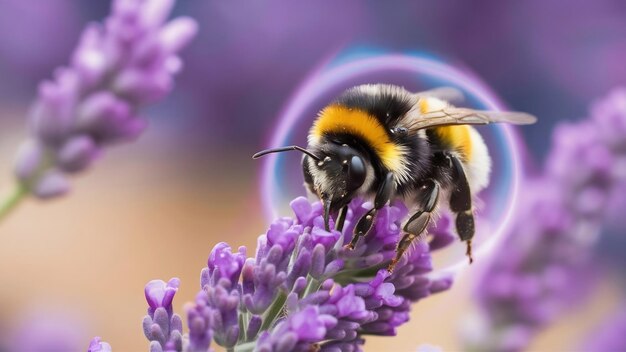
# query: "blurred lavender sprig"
x,y
543,265
303,291
96,345
119,66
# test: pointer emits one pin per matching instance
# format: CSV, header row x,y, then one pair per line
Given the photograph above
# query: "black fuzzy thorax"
x,y
389,106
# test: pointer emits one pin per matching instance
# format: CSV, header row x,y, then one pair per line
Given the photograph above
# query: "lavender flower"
x,y
161,326
352,293
119,66
543,266
303,290
41,329
99,346
200,323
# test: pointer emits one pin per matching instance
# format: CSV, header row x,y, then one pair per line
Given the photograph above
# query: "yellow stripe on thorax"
x,y
340,119
457,137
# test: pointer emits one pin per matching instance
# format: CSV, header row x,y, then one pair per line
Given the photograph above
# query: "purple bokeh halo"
x,y
281,178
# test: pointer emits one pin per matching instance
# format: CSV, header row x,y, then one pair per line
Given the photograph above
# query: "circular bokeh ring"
x,y
329,77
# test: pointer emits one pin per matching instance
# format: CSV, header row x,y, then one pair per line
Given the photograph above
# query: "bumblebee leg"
x,y
341,218
362,227
385,190
461,204
418,222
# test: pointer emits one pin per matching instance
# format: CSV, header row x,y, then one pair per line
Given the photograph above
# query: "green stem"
x,y
354,275
12,201
274,310
242,328
312,286
245,347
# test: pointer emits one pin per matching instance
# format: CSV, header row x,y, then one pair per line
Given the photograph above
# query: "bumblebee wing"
x,y
449,94
463,116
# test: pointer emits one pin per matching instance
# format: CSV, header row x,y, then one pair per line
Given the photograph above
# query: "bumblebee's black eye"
x,y
400,131
356,173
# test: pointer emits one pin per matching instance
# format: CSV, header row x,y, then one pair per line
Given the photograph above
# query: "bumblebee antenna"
x,y
286,149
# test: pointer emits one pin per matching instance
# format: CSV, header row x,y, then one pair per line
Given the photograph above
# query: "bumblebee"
x,y
383,142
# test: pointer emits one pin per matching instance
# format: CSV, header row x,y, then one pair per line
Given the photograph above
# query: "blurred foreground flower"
x,y
98,346
42,328
302,290
543,266
119,66
609,336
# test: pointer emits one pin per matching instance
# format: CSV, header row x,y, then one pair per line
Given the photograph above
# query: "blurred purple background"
x,y
248,58
549,58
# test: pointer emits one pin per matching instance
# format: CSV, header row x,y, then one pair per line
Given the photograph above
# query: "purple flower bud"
x,y
298,331
264,286
96,345
299,285
90,58
309,325
349,304
318,261
77,153
301,267
224,300
161,294
30,158
321,236
224,264
52,115
155,13
177,34
254,326
103,115
161,326
142,86
200,322
302,209
283,233
333,267
51,183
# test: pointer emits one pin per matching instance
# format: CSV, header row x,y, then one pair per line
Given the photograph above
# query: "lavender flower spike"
x,y
119,66
161,326
302,290
544,263
99,346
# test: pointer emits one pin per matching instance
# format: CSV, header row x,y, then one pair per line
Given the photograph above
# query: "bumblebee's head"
x,y
336,171
337,176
